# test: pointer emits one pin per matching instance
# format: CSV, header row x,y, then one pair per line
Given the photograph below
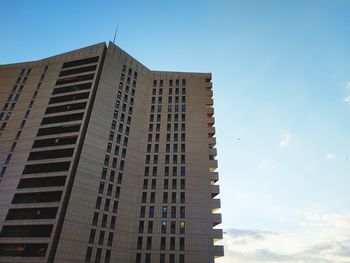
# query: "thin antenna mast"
x,y
115,34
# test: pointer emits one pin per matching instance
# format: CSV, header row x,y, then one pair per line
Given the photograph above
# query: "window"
x,y
182,227
153,197
92,236
142,211
113,220
154,183
80,62
110,239
145,183
164,211
108,256
141,226
101,237
46,167
182,183
150,227
115,207
165,197
166,184
98,255
163,227
95,219
162,243
88,254
182,212
139,243
172,227
173,212
31,213
98,202
151,211
173,197
182,197
182,243
51,154
172,243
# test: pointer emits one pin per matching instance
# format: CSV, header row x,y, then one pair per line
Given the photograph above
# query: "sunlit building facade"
x,y
105,160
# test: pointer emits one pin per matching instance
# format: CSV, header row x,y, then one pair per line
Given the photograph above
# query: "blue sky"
x,y
281,77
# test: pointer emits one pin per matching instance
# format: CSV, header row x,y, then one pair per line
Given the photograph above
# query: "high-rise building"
x,y
103,160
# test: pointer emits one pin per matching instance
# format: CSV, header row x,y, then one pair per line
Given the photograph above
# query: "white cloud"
x,y
330,156
347,86
325,238
285,141
347,99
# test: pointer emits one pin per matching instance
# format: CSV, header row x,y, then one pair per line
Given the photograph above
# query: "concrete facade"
x,y
104,160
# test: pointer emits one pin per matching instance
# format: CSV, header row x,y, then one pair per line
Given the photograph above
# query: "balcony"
x,y
213,177
211,120
210,110
218,251
215,205
209,85
209,102
212,141
213,151
216,219
210,92
217,234
215,190
213,163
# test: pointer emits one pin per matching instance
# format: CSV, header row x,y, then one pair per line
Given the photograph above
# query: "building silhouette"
x,y
104,160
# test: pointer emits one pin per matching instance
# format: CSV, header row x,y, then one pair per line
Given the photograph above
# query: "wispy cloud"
x,y
330,156
330,243
285,140
347,99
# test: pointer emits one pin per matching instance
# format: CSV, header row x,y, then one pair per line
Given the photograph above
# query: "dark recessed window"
x,y
40,197
63,118
23,250
72,88
51,154
32,213
42,182
46,168
65,108
58,129
77,70
80,62
26,231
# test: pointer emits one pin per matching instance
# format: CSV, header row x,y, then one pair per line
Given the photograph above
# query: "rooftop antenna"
x,y
115,34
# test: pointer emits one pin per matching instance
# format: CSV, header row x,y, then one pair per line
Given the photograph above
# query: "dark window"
x,y
23,250
139,242
65,108
95,219
92,236
101,237
55,141
149,243
63,118
51,154
98,255
26,231
77,70
148,258
40,197
141,226
80,62
182,243
74,79
172,227
163,227
42,182
172,243
78,87
88,254
46,168
58,130
113,220
110,239
32,213
108,256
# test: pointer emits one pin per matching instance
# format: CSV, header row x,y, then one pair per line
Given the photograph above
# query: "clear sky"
x,y
281,78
